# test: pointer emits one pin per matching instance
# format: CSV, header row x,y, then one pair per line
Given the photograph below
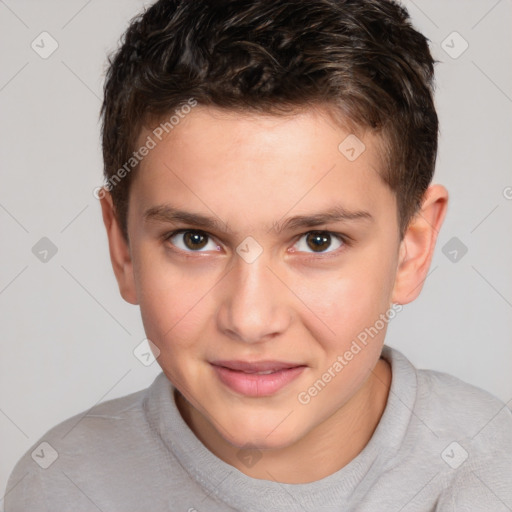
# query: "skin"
x,y
293,303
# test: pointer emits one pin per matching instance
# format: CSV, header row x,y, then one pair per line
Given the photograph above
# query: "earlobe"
x,y
418,244
119,250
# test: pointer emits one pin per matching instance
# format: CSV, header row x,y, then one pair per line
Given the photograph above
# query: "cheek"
x,y
170,300
346,302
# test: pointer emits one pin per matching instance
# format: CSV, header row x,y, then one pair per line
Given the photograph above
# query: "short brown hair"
x,y
363,58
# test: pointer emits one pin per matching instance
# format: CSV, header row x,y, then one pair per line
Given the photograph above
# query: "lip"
x,y
243,377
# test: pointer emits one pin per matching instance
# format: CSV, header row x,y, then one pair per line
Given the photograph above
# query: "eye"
x,y
319,241
190,240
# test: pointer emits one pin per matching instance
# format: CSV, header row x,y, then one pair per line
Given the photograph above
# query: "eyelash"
x,y
344,239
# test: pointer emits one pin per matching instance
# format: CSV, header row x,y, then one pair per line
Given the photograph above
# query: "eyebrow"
x,y
168,214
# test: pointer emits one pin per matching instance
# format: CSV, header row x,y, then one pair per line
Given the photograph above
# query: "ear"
x,y
417,247
119,249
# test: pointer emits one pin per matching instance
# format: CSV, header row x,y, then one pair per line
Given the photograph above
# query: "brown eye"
x,y
194,240
319,241
191,241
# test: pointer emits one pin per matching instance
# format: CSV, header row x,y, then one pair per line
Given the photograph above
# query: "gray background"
x,y
67,337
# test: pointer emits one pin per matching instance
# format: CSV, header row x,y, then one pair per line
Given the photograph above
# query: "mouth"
x,y
256,379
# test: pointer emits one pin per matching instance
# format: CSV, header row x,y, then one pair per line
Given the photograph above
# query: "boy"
x,y
268,205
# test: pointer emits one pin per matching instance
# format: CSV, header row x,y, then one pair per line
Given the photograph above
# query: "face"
x,y
259,253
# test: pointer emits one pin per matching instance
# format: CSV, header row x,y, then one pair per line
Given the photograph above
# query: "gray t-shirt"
x,y
441,445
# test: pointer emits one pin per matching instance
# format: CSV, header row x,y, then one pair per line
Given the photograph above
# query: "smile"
x,y
257,379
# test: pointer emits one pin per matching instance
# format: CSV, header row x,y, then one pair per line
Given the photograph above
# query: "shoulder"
x,y
458,438
119,414
445,409
460,407
78,445
447,405
474,435
475,430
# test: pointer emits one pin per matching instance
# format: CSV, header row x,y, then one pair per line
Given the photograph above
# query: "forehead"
x,y
212,159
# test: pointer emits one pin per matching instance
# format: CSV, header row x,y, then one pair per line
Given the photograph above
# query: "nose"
x,y
254,305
